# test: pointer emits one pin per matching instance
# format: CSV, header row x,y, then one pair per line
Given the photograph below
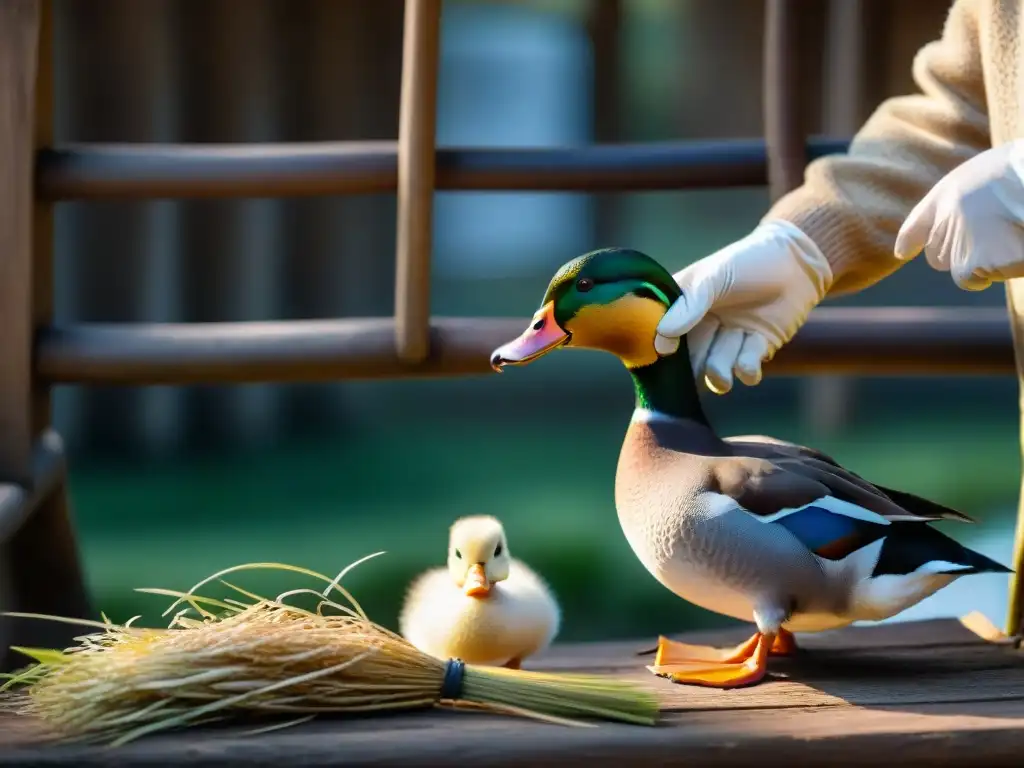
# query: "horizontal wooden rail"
x,y
137,171
862,341
18,502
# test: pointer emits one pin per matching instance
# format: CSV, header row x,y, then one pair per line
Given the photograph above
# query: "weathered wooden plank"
x,y
858,688
945,635
19,36
861,693
911,634
821,662
957,735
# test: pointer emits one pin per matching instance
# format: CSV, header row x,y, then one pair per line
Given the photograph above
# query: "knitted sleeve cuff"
x,y
857,247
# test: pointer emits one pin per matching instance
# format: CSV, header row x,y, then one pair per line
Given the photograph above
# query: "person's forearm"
x,y
853,205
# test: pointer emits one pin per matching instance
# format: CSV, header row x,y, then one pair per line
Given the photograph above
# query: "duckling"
x,y
485,607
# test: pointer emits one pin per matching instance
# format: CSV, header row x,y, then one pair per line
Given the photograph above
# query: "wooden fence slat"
x,y
37,537
783,96
139,171
42,285
868,341
416,148
19,36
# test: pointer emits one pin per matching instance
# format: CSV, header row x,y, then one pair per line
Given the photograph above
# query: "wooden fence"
x,y
36,534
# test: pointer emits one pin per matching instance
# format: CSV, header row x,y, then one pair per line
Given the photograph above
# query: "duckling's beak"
x,y
541,337
477,584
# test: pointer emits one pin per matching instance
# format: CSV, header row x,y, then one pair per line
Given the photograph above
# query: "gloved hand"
x,y
971,223
742,303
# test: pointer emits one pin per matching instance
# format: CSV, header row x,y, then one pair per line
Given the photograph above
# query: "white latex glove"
x,y
742,303
971,223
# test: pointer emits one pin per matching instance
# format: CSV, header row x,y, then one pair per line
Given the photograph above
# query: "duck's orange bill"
x,y
477,584
542,336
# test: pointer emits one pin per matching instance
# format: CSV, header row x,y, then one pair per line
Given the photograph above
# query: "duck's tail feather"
x,y
923,507
910,547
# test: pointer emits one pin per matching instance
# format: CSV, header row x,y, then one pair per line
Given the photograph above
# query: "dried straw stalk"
x,y
264,656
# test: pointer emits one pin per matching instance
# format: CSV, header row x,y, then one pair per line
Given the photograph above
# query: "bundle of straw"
x,y
264,656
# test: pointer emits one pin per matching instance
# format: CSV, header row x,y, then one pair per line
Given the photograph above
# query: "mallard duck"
x,y
485,607
751,527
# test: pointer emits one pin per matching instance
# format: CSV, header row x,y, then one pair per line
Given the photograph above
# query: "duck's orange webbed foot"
x,y
784,645
672,652
716,668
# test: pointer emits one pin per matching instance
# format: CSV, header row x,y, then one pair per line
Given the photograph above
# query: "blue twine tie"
x,y
454,673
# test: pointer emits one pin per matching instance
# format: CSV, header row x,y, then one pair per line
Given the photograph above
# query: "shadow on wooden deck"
x,y
928,693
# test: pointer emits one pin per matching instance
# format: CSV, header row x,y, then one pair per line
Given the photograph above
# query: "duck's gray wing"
x,y
924,507
766,447
781,451
762,487
803,460
833,532
765,483
818,509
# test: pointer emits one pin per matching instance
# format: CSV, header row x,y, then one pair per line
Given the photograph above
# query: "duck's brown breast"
x,y
655,492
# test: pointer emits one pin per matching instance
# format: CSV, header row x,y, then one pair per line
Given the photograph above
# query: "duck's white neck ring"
x,y
646,415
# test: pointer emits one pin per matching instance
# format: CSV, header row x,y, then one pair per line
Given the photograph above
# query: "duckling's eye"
x,y
498,550
458,554
584,284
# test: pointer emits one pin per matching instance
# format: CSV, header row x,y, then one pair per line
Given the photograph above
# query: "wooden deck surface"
x,y
918,694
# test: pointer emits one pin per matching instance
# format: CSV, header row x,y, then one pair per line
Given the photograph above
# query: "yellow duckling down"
x,y
485,607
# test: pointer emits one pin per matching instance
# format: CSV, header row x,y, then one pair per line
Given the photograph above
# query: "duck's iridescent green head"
x,y
610,300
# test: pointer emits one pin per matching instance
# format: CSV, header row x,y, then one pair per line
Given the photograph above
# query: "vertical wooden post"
x,y
232,261
783,105
44,572
846,66
20,22
1015,603
416,147
604,22
828,402
42,211
19,33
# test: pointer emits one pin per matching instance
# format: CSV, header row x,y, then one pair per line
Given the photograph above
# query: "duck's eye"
x,y
458,554
584,284
498,550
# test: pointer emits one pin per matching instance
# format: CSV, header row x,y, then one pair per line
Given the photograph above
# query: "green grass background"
x,y
322,504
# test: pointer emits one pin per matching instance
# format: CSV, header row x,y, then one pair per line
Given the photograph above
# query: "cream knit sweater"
x,y
852,205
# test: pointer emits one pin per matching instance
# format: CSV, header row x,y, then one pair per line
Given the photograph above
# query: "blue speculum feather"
x,y
830,535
